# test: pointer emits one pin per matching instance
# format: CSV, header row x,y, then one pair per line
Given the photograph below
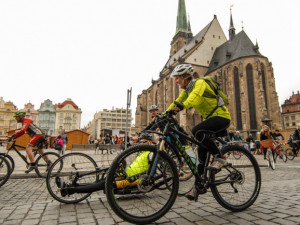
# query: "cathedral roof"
x,y
194,41
240,46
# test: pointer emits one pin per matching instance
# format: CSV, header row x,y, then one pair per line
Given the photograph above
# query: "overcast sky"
x,y
94,51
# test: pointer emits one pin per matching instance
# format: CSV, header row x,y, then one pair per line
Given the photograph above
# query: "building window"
x,y
1,116
61,114
212,48
219,37
292,117
237,99
251,97
287,124
286,118
294,124
263,76
214,36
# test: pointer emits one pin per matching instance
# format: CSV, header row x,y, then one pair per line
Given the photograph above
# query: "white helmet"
x,y
183,69
153,107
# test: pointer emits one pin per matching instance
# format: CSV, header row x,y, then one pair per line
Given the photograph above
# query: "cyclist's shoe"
x,y
217,164
29,169
193,194
58,181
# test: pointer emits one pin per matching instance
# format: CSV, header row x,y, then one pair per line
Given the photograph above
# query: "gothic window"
x,y
156,98
237,99
263,77
251,97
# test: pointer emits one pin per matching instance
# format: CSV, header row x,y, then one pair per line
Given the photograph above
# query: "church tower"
x,y
183,29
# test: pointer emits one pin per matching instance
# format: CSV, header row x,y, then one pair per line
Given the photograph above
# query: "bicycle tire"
x,y
5,170
41,166
271,159
10,160
247,185
142,203
283,155
290,154
64,170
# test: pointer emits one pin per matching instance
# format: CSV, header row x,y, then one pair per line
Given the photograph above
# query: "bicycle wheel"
x,y
130,193
283,155
5,170
42,166
290,154
271,159
243,179
62,180
10,160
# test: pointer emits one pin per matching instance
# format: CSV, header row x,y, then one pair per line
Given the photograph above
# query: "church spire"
x,y
181,17
231,27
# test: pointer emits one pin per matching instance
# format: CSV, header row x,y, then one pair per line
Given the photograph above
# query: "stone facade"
x,y
47,115
291,111
31,113
245,75
7,122
68,116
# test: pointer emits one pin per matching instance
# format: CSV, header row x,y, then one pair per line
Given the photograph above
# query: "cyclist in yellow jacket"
x,y
215,118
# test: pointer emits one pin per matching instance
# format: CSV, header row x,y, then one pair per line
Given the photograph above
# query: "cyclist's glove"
x,y
12,137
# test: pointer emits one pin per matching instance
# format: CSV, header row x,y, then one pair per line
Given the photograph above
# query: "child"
x,y
252,147
59,143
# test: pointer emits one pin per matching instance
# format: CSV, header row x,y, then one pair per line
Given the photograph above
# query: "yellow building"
x,y
7,122
68,116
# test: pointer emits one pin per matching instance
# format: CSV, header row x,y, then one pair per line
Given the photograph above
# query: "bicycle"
x,y
41,166
292,152
235,187
5,170
268,144
280,152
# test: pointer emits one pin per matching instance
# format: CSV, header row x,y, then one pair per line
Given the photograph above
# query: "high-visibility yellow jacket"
x,y
202,104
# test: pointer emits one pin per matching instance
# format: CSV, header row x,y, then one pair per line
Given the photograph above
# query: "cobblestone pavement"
x,y
26,201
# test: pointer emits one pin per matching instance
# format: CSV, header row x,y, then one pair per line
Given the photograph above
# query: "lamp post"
x,y
127,106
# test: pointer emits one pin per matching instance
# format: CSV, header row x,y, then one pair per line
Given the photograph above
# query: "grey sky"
x,y
93,51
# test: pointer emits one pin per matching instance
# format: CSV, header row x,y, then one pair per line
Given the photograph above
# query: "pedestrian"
x,y
65,141
108,141
59,144
237,136
252,147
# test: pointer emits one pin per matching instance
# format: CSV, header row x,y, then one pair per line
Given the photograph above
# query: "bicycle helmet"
x,y
153,107
183,69
146,136
19,113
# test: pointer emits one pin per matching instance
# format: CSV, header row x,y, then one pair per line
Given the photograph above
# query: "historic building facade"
x,y
47,115
7,122
68,116
31,113
245,74
291,111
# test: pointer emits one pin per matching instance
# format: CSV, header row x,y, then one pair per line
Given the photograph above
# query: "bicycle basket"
x,y
268,143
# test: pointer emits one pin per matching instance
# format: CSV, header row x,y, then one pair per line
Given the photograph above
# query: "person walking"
x,y
65,141
108,141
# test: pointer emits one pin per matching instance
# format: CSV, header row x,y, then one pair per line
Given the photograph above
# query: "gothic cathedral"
x,y
245,75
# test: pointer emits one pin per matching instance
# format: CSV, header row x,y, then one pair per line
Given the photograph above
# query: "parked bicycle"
x,y
5,170
41,167
235,187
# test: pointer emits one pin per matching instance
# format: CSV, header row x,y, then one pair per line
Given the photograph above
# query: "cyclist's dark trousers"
x,y
212,124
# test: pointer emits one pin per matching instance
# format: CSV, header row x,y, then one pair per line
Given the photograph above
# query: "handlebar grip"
x,y
179,105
